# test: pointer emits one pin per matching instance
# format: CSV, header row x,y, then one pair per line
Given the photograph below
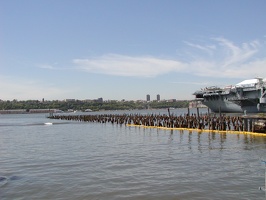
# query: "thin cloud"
x,y
229,60
223,59
207,48
121,65
237,54
47,66
191,83
54,66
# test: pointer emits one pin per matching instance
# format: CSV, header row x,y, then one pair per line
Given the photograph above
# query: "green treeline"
x,y
93,105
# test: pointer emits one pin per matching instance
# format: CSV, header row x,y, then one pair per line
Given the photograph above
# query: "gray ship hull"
x,y
222,106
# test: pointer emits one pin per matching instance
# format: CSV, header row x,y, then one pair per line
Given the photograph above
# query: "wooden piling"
x,y
206,122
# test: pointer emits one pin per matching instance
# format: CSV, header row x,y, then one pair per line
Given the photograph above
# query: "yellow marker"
x,y
202,130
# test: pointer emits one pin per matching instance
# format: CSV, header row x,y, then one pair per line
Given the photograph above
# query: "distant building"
x,y
148,97
171,100
88,100
196,104
158,97
100,100
70,100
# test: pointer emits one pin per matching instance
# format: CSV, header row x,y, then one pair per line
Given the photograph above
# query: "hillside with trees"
x,y
93,105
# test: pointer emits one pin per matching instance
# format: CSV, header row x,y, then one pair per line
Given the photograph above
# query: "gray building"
x,y
148,97
100,100
158,97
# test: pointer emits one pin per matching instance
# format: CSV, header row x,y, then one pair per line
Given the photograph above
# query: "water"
x,y
42,158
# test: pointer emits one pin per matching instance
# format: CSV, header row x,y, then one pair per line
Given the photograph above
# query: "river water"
x,y
47,159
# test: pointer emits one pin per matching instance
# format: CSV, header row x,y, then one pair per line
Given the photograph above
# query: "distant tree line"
x,y
93,105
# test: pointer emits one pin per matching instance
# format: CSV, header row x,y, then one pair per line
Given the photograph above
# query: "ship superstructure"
x,y
246,96
250,95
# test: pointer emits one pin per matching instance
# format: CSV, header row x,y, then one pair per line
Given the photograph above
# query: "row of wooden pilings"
x,y
203,122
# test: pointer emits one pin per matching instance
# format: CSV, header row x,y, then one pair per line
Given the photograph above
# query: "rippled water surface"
x,y
42,158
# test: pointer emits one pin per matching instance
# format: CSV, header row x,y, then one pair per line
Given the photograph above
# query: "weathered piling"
x,y
255,123
193,121
197,112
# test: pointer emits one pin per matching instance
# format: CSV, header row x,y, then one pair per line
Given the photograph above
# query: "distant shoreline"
x,y
25,111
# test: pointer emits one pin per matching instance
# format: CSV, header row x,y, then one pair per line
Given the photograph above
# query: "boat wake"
x,y
33,124
262,188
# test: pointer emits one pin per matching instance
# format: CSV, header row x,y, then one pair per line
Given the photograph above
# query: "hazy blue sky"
x,y
125,49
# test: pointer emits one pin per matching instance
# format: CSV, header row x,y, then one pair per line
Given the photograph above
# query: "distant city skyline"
x,y
100,99
121,49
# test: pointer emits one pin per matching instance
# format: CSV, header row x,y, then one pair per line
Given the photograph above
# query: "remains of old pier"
x,y
243,124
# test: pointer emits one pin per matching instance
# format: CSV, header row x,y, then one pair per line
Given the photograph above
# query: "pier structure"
x,y
198,122
254,123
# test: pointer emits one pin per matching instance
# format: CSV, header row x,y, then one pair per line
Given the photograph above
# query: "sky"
x,y
126,49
